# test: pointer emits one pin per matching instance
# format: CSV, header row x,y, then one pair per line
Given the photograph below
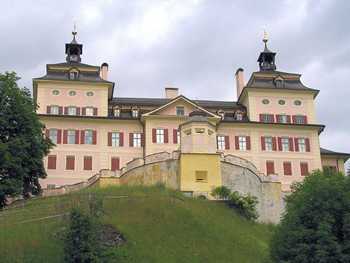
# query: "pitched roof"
x,y
329,152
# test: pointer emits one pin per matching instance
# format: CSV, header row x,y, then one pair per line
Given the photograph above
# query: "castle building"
x,y
272,125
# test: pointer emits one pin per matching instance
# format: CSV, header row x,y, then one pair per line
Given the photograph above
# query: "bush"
x,y
221,192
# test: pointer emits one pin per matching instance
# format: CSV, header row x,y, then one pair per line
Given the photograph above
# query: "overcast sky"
x,y
195,46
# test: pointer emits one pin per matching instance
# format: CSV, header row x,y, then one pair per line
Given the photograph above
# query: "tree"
x,y
316,224
22,141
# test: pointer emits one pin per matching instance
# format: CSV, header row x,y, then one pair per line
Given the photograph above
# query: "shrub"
x,y
221,192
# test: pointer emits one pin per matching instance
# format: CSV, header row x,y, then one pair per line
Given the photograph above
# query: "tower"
x,y
73,49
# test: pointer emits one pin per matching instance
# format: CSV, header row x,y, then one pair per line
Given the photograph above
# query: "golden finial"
x,y
265,35
74,32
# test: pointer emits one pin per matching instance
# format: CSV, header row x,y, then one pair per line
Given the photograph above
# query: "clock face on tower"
x,y
73,58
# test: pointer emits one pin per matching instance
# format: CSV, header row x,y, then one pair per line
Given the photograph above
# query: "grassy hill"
x,y
156,230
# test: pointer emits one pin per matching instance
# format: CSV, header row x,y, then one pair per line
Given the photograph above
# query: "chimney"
x,y
104,68
171,93
239,81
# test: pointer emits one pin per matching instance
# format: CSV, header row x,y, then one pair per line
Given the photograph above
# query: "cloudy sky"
x,y
195,46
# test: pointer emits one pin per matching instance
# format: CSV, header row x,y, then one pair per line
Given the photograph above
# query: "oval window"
x,y
265,101
297,102
89,94
55,92
281,102
72,93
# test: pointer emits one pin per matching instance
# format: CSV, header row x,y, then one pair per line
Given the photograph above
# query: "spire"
x,y
73,49
267,58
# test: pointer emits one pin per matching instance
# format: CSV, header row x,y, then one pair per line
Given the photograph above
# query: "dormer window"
x,y
116,110
135,111
73,74
279,81
238,115
221,112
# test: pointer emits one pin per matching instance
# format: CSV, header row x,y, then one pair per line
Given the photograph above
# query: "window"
x,y
71,136
201,176
115,163
89,111
266,118
178,137
304,169
55,92
135,113
72,111
222,114
285,144
270,167
115,139
50,186
70,160
221,143
180,111
53,135
88,163
265,102
268,144
297,102
282,118
54,110
89,94
88,137
239,116
301,145
73,76
137,140
242,141
287,168
51,162
299,119
281,102
72,93
279,83
116,112
160,135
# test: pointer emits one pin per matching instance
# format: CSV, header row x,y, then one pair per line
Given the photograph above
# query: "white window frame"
x,y
53,135
70,136
178,137
268,143
239,116
137,139
266,117
55,110
117,112
242,142
88,137
285,144
135,113
299,119
89,111
72,110
221,142
283,118
181,110
115,139
159,135
302,144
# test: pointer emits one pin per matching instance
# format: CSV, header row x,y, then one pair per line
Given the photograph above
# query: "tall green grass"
x,y
156,231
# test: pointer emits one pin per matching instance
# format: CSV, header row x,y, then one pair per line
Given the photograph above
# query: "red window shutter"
x,y
274,144
83,111
65,135
279,143
277,118
76,136
114,163
166,134
142,140
270,167
287,167
227,142
217,142
70,162
121,139
305,119
82,139
131,139
66,110
48,109
154,135
307,142
237,142
110,139
288,118
60,110
294,118
304,169
296,144
263,143
94,137
78,111
59,135
95,111
88,163
272,118
261,117
175,136
291,148
51,162
248,142
47,133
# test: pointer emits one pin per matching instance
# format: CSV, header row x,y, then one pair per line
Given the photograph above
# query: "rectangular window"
x,y
135,113
287,168
239,116
268,143
50,186
222,114
178,137
242,141
115,139
266,118
51,162
73,75
221,143
160,135
283,118
117,112
201,176
299,119
137,140
72,111
304,169
270,167
71,136
285,144
115,163
89,111
70,160
54,110
53,135
88,163
180,111
88,137
301,145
